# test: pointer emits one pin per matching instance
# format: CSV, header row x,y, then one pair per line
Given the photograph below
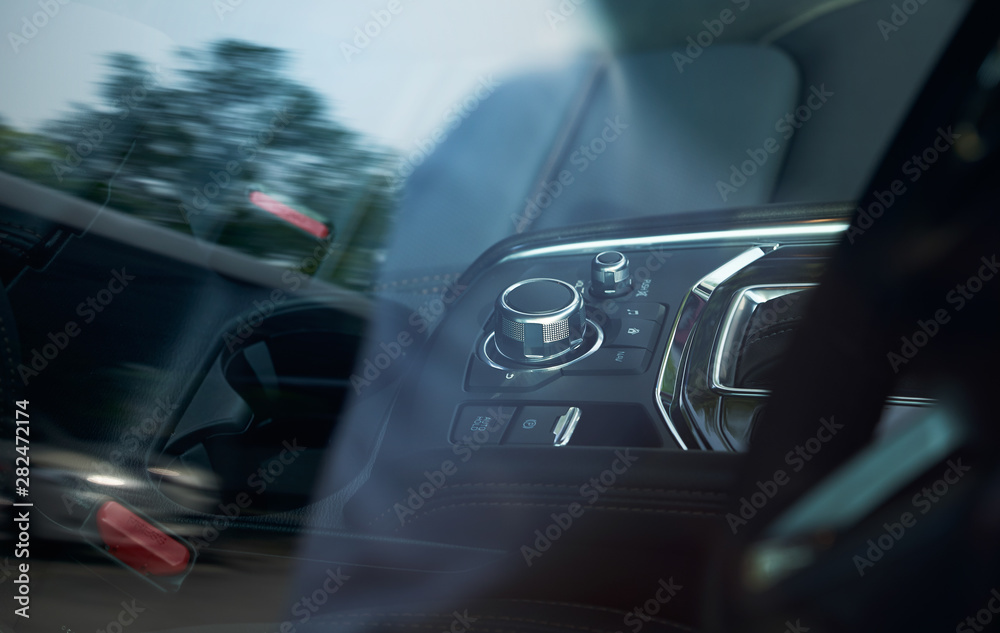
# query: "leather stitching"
x,y
26,229
720,496
448,617
448,505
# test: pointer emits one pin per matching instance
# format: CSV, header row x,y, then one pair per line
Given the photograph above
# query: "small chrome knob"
x,y
609,275
538,320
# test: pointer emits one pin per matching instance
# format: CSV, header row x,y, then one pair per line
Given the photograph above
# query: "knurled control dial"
x,y
539,320
609,275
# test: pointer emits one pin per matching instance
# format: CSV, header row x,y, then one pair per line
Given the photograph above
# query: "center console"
x,y
658,340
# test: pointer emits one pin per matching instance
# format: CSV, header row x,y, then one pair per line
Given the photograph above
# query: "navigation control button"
x,y
607,361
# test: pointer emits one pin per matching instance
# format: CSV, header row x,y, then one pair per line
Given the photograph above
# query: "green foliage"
x,y
183,148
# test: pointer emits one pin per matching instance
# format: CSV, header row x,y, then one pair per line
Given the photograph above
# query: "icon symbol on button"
x,y
619,357
529,424
631,312
481,423
633,330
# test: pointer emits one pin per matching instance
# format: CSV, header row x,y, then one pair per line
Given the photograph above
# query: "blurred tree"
x,y
183,148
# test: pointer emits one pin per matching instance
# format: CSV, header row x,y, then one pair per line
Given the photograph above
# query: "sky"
x,y
395,88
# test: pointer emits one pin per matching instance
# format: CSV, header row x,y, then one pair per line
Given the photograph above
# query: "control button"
x,y
609,275
534,425
648,311
565,426
138,544
481,424
539,320
606,362
629,332
482,377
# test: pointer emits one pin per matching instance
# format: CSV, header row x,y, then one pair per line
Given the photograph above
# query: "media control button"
x,y
631,332
648,311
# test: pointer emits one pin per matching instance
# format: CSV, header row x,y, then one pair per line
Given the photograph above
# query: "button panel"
x,y
510,424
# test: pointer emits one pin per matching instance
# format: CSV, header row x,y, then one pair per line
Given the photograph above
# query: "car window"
x,y
281,131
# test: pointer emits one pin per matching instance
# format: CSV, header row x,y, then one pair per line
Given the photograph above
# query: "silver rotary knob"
x,y
538,320
609,275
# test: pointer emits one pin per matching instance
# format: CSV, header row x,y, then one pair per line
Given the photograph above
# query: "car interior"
x,y
694,329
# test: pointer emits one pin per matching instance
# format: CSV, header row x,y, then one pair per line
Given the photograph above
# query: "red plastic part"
x,y
289,214
141,546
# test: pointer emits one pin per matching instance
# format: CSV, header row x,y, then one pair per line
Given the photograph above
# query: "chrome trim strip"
x,y
742,308
767,233
659,378
737,311
707,285
702,290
